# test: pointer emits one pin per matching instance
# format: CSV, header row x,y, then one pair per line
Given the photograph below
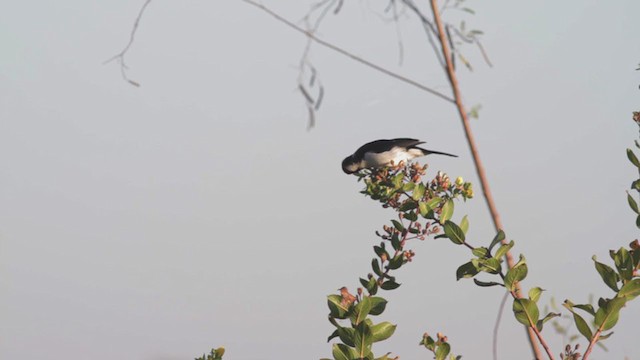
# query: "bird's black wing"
x,y
406,142
380,146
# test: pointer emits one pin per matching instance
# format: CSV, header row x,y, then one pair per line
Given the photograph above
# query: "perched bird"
x,y
381,153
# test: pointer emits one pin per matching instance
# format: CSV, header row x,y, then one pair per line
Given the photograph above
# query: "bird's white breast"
x,y
396,155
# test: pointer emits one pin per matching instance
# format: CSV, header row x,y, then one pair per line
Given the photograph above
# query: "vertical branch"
x,y
451,75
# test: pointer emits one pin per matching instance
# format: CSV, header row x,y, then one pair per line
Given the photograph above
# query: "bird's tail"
x,y
427,152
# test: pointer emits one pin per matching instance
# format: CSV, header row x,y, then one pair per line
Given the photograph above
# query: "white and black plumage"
x,y
381,153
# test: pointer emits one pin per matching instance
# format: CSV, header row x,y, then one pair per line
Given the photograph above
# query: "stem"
x,y
404,238
544,343
593,341
533,328
484,183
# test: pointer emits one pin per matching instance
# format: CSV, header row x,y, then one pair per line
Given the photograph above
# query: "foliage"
x,y
427,208
216,354
423,209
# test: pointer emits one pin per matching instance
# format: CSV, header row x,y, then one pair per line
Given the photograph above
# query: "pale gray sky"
x,y
197,211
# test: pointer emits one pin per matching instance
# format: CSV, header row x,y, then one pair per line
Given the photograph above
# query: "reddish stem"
x,y
446,52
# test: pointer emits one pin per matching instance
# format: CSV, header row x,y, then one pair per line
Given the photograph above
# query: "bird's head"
x,y
350,165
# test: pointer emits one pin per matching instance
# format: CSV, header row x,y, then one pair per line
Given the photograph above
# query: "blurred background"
x,y
197,210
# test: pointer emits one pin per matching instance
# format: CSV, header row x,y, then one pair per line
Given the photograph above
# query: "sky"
x,y
198,211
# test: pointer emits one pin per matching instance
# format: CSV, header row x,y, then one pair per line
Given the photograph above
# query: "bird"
x,y
381,153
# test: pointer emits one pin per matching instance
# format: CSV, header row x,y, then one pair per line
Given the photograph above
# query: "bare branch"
x,y
484,182
120,56
349,54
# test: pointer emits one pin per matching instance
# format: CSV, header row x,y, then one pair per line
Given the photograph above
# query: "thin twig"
x,y
312,103
349,54
497,325
473,40
428,28
394,8
484,53
120,56
446,53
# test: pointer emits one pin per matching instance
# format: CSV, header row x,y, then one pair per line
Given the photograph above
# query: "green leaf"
x,y
447,211
624,264
395,242
336,308
582,326
347,335
411,216
490,265
442,351
423,208
521,261
376,267
635,255
408,205
526,311
378,305
384,357
466,270
534,293
389,285
343,352
608,314
480,252
605,336
454,232
632,204
396,262
361,310
372,286
434,202
630,290
514,275
632,157
609,276
333,335
397,180
380,250
464,224
497,239
408,186
503,249
486,284
382,331
548,317
363,339
470,11
418,192
398,225
586,307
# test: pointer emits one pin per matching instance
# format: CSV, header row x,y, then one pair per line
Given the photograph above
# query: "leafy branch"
x,y
422,208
